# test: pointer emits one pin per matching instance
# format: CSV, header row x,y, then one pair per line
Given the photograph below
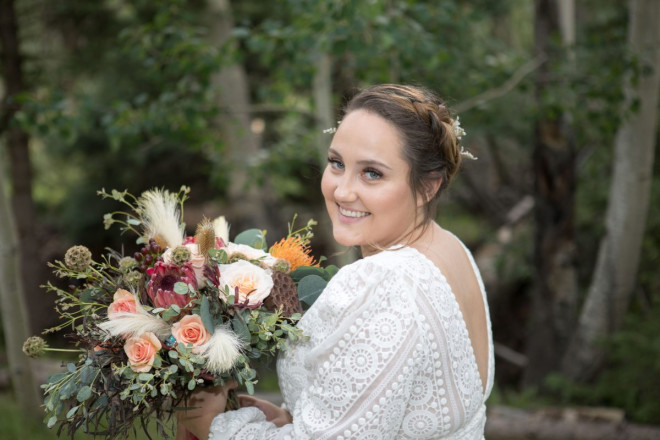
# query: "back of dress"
x,y
391,354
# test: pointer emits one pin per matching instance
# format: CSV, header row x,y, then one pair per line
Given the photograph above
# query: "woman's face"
x,y
365,184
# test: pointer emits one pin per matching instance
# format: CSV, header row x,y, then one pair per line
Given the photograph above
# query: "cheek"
x,y
327,187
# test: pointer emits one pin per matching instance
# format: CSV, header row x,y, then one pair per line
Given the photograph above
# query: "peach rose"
x,y
141,351
124,302
253,283
191,330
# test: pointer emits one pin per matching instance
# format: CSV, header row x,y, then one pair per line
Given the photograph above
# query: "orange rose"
x,y
124,302
191,330
141,351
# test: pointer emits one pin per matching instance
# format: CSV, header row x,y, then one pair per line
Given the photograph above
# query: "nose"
x,y
345,189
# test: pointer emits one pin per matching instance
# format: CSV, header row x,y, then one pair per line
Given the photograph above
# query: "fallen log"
x,y
505,423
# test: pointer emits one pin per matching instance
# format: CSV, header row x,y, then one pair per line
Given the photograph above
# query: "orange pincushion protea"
x,y
294,252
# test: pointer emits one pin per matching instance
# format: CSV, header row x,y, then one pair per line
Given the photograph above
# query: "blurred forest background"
x,y
559,99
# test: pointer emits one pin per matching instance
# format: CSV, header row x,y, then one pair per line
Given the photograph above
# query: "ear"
x,y
430,190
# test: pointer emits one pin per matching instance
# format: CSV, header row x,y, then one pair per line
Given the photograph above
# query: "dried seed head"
x,y
78,258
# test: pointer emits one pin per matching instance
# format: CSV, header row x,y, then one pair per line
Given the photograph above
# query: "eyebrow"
x,y
363,162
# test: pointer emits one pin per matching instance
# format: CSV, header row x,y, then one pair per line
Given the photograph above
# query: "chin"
x,y
343,240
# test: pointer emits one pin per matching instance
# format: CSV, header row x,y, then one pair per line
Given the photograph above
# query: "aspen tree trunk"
x,y
554,300
247,201
616,268
20,165
14,312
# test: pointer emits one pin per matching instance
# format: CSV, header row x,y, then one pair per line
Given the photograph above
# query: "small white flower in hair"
x,y
330,130
465,153
459,132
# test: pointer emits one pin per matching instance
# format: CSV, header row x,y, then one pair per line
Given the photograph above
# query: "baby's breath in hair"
x,y
459,132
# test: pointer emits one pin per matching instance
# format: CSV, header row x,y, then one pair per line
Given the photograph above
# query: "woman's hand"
x,y
275,414
199,411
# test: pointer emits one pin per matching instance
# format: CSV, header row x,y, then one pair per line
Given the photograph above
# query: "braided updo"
x,y
430,144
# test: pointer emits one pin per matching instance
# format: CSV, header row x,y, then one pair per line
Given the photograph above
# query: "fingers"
x,y
246,400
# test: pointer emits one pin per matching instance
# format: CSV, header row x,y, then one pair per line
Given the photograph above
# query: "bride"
x,y
399,343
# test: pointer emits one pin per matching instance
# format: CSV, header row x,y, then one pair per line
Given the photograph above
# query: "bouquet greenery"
x,y
181,313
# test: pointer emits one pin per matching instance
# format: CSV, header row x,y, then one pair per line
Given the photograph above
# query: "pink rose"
x,y
191,330
141,351
124,302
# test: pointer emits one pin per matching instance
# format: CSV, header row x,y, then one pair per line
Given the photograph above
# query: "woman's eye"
x,y
372,174
336,164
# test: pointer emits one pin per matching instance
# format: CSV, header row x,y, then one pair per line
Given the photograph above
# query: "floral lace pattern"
x,y
388,357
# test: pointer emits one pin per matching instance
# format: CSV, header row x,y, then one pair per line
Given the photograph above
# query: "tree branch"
x,y
502,90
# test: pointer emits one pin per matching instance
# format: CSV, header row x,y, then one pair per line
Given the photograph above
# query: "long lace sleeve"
x,y
361,365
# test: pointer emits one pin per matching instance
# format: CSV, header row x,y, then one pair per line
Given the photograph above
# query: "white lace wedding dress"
x,y
388,357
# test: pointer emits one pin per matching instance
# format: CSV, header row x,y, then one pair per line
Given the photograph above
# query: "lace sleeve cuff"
x,y
228,425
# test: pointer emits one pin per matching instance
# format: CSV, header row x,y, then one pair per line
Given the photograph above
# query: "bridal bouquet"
x,y
181,313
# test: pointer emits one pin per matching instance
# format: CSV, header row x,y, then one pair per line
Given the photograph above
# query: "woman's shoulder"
x,y
389,266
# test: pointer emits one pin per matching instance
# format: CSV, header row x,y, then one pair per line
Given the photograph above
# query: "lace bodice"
x,y
388,357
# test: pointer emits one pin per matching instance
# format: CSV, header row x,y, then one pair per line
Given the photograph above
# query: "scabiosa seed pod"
x,y
237,256
134,278
127,264
282,266
78,258
34,346
180,255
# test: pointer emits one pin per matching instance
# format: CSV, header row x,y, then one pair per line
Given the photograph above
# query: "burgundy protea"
x,y
161,285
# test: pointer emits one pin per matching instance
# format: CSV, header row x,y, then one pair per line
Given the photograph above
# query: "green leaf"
x,y
304,271
100,402
249,386
51,422
71,368
84,394
252,237
192,383
241,328
310,287
205,314
181,288
71,412
173,354
87,374
145,377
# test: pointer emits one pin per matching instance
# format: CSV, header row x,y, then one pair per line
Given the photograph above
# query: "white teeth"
x,y
355,214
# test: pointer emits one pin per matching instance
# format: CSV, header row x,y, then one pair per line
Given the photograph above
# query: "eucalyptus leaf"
x,y
241,328
205,314
310,287
253,238
181,288
51,422
84,394
72,412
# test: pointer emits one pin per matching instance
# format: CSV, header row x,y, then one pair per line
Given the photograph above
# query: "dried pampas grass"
x,y
159,210
221,228
221,351
132,324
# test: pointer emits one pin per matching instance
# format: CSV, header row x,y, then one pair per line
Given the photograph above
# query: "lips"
x,y
353,214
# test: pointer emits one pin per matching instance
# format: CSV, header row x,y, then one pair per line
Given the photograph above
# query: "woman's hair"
x,y
430,142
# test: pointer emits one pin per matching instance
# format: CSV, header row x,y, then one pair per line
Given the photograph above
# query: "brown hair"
x,y
430,145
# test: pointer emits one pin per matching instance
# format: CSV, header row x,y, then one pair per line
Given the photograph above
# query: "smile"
x,y
354,214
